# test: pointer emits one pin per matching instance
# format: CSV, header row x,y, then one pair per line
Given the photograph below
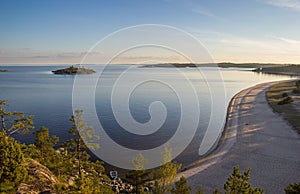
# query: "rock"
x,y
41,179
71,181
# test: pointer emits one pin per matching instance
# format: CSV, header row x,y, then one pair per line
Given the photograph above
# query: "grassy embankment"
x,y
290,111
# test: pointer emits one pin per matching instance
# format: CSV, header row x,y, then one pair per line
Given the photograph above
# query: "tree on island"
x,y
12,122
72,70
297,89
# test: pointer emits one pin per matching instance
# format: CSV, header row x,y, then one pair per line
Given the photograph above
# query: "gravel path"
x,y
254,137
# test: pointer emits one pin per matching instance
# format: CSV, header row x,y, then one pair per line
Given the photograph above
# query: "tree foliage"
x,y
85,139
181,187
89,175
293,188
237,183
12,122
166,174
91,181
199,190
138,177
12,166
45,143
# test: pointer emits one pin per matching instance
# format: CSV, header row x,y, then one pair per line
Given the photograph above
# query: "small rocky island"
x,y
4,70
74,70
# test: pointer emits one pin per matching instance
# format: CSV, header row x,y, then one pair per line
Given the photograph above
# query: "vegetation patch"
x,y
74,70
4,70
282,100
283,69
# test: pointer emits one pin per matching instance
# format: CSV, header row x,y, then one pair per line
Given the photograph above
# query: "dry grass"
x,y
289,111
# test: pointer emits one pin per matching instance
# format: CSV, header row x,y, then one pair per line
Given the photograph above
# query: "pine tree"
x,y
139,177
217,191
84,139
199,190
181,187
237,183
12,166
45,143
12,122
90,175
166,174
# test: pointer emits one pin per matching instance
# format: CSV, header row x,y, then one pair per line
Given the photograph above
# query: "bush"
x,y
293,188
287,100
296,91
298,83
12,165
284,95
181,187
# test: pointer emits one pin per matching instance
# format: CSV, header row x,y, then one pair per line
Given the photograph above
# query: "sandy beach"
x,y
255,137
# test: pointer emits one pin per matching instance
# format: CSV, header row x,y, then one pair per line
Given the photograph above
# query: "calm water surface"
x,y
36,91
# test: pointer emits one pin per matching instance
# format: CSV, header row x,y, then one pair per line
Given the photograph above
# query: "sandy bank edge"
x,y
229,136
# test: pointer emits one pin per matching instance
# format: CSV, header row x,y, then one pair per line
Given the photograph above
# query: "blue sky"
x,y
61,31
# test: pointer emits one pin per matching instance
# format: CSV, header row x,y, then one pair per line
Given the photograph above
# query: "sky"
x,y
63,32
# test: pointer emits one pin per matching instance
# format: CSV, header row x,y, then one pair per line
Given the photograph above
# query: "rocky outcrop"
x,y
41,179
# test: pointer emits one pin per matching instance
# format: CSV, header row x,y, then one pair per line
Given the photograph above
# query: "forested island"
x,y
74,70
4,70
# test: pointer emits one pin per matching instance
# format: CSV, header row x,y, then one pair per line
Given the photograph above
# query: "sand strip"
x,y
256,137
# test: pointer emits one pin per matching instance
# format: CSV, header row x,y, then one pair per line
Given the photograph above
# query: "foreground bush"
x,y
293,188
12,165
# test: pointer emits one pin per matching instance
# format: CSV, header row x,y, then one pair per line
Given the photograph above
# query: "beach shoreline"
x,y
244,142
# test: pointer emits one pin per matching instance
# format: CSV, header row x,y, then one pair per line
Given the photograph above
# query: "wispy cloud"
x,y
205,12
291,4
287,40
236,48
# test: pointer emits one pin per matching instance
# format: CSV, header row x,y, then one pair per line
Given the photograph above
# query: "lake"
x,y
166,95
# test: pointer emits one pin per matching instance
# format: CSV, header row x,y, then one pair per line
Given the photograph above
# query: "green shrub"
x,y
284,95
12,165
287,100
181,187
296,91
298,83
293,188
